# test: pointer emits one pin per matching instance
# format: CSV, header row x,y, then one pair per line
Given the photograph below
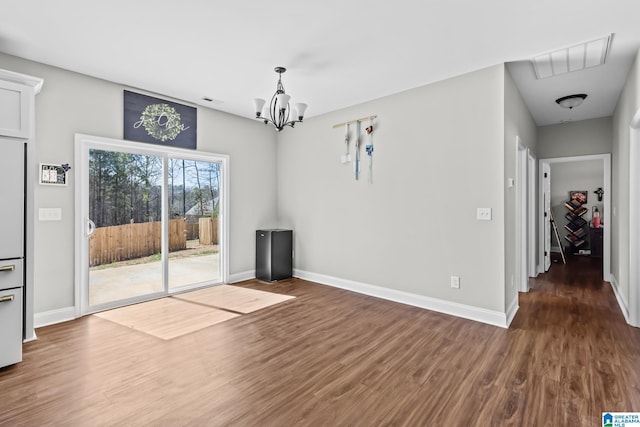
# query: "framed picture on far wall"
x,y
578,196
158,121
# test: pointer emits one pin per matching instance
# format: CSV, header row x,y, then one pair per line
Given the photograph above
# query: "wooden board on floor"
x,y
234,298
166,318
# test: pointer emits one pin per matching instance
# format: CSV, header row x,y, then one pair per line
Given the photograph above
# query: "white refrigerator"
x,y
12,249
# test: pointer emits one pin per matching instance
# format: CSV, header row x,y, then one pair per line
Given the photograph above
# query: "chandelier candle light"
x,y
278,112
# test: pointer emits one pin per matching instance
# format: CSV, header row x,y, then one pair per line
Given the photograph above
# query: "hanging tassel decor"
x,y
356,165
346,157
369,149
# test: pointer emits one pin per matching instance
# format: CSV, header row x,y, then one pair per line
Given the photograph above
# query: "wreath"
x,y
161,121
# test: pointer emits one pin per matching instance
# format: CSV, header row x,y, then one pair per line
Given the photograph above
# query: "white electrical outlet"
x,y
455,282
484,214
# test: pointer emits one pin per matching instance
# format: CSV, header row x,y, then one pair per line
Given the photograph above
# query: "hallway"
x,y
582,339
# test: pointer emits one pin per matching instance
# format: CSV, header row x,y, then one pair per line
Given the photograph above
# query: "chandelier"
x,y
279,112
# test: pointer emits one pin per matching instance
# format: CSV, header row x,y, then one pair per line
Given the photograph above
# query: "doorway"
x,y
151,221
547,199
525,215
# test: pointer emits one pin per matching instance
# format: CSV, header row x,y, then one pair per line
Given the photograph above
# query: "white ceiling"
x,y
338,53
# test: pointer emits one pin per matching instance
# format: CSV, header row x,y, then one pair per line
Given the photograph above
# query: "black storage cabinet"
x,y
596,242
274,249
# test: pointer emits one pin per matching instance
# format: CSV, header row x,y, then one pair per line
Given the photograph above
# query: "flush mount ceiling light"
x,y
574,58
278,111
571,101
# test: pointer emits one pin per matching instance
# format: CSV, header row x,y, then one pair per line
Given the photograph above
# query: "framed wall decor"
x,y
158,121
53,174
579,196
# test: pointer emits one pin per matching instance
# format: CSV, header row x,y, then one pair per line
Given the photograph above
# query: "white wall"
x,y
439,154
575,139
73,103
517,122
628,104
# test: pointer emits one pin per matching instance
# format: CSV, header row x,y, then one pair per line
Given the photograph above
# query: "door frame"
x,y
531,168
606,248
83,143
525,216
544,226
522,226
634,226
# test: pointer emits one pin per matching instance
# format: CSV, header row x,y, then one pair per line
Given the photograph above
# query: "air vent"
x,y
574,58
211,100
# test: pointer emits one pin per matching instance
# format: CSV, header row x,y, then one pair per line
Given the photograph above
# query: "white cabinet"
x,y
10,333
17,98
14,110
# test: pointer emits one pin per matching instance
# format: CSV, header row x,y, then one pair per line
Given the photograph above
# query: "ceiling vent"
x,y
574,58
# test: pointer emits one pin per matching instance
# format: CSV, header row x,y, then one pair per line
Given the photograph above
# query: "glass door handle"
x,y
91,228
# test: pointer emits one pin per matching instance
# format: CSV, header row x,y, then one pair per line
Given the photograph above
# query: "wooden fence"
x,y
193,231
129,241
208,231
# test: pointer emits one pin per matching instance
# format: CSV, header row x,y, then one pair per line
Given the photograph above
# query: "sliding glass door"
x,y
194,204
150,221
125,210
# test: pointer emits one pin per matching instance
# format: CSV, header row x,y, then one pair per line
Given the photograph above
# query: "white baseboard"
x,y
60,315
512,310
490,317
242,276
31,337
622,301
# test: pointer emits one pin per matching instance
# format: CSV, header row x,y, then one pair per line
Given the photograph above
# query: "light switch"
x,y
484,214
50,214
455,282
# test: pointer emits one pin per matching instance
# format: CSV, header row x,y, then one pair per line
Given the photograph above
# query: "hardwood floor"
x,y
334,358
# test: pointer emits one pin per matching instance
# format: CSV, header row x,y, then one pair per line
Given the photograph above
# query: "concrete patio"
x,y
121,282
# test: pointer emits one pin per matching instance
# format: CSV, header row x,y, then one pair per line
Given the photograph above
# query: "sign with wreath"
x,y
149,119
